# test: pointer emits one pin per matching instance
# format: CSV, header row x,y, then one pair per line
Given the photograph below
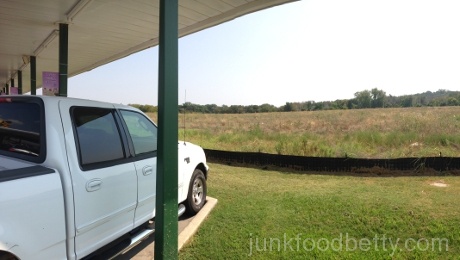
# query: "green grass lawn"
x,y
277,214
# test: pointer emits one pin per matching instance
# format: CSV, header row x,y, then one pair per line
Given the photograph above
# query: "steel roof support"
x,y
19,82
33,75
63,58
11,85
166,213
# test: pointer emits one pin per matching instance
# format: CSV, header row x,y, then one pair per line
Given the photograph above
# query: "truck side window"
x,y
22,129
142,131
97,135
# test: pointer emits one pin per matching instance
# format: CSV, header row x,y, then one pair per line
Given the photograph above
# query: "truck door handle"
x,y
93,185
147,170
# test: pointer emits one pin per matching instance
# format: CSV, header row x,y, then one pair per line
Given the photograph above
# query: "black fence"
x,y
332,164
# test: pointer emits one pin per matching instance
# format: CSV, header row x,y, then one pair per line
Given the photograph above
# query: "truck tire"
x,y
196,193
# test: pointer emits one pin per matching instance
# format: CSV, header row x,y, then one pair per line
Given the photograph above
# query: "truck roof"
x,y
55,99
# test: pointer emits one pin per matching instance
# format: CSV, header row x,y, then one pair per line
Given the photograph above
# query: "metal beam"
x,y
166,226
33,75
63,58
19,82
79,7
46,42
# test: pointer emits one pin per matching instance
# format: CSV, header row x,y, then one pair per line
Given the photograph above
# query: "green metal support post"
x,y
33,75
63,58
166,219
19,82
11,85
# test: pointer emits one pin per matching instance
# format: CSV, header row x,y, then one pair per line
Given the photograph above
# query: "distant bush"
x,y
145,108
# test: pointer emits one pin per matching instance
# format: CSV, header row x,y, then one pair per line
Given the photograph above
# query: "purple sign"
x,y
13,91
50,83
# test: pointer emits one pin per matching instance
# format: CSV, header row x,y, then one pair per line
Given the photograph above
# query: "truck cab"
x,y
97,176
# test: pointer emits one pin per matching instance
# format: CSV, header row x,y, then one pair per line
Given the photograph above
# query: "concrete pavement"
x,y
188,226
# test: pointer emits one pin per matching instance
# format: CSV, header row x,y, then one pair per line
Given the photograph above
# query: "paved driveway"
x,y
187,228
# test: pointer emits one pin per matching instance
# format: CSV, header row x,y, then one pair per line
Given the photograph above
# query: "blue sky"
x,y
308,50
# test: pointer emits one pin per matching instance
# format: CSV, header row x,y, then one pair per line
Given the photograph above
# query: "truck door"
x,y
143,134
103,176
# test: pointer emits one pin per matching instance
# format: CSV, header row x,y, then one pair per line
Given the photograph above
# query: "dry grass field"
x,y
360,133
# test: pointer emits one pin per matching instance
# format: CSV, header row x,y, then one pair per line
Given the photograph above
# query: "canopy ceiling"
x,y
100,31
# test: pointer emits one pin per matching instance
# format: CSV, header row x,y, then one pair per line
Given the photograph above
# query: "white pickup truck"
x,y
79,175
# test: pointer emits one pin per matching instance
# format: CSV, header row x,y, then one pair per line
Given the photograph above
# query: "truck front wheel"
x,y
196,193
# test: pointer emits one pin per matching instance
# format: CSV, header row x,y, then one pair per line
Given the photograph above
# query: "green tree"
x,y
378,97
406,101
267,108
363,99
291,107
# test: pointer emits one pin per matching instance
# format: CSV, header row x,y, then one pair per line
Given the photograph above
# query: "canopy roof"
x,y
100,31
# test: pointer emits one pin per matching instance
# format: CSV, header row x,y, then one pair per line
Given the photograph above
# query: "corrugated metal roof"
x,y
100,31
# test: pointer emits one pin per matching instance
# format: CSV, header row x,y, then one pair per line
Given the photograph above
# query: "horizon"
x,y
421,93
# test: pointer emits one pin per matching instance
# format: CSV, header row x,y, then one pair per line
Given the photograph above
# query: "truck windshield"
x,y
20,128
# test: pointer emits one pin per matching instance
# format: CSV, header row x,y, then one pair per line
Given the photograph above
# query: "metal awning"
x,y
100,31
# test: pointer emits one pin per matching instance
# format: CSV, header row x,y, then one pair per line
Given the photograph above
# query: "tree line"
x,y
374,98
